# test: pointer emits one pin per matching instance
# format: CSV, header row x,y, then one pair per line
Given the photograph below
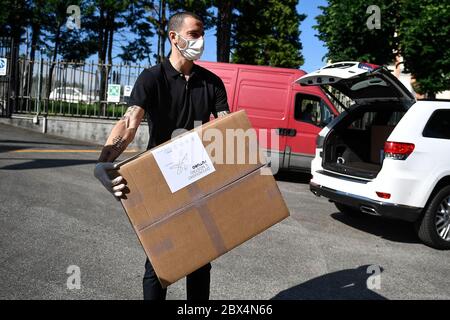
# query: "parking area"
x,y
55,214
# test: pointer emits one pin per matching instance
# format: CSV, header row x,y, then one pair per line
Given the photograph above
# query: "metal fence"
x,y
74,89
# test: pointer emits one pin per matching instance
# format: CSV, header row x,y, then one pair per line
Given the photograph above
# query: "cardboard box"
x,y
184,228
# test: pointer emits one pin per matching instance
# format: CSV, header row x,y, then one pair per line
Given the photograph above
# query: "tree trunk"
x,y
14,74
109,65
107,47
16,32
162,36
110,41
101,37
36,30
225,8
102,48
52,65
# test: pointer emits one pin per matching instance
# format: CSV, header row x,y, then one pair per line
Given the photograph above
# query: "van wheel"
x,y
348,210
434,229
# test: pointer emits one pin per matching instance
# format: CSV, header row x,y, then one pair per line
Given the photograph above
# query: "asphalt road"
x,y
54,214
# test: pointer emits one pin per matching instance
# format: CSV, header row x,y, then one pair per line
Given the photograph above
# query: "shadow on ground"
x,y
349,284
389,229
40,143
46,164
9,148
296,177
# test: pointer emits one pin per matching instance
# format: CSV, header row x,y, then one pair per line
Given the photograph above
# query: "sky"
x,y
313,49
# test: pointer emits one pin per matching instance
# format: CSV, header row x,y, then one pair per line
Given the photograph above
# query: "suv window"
x,y
312,109
438,126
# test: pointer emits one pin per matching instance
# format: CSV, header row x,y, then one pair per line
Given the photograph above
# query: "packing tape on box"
x,y
194,197
199,201
208,221
161,247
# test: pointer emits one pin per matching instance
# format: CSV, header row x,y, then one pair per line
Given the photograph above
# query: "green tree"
x,y
223,20
14,18
344,29
268,33
37,19
159,14
46,20
424,35
105,19
13,22
61,41
6,4
199,7
140,24
158,19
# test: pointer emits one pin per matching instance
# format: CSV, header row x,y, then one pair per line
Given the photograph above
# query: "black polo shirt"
x,y
173,103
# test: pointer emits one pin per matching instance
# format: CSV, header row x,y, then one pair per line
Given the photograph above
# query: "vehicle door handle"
x,y
287,132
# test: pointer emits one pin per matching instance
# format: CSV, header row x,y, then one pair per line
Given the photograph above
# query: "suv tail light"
x,y
383,195
397,150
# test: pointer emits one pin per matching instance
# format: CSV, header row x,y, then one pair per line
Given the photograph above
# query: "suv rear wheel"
x,y
434,229
348,210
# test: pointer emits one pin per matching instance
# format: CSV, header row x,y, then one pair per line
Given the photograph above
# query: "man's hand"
x,y
121,136
221,114
116,185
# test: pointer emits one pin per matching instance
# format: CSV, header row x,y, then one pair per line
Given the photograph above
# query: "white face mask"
x,y
194,48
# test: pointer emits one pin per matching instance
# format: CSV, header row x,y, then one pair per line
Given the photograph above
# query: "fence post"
x,y
38,100
13,83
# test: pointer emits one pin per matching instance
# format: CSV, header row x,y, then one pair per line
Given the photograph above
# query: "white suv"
x,y
387,154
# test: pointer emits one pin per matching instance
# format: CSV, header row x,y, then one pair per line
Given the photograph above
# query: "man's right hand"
x,y
121,136
116,185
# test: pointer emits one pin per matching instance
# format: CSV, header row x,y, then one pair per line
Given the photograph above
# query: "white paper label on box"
x,y
183,161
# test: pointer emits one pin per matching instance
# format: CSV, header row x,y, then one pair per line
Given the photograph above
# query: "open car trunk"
x,y
355,145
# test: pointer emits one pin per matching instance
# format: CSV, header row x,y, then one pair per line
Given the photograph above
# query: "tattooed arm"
x,y
122,134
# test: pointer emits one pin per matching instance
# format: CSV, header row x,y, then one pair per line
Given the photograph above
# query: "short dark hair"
x,y
176,20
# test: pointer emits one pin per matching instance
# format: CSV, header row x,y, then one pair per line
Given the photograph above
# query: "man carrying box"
x,y
173,95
